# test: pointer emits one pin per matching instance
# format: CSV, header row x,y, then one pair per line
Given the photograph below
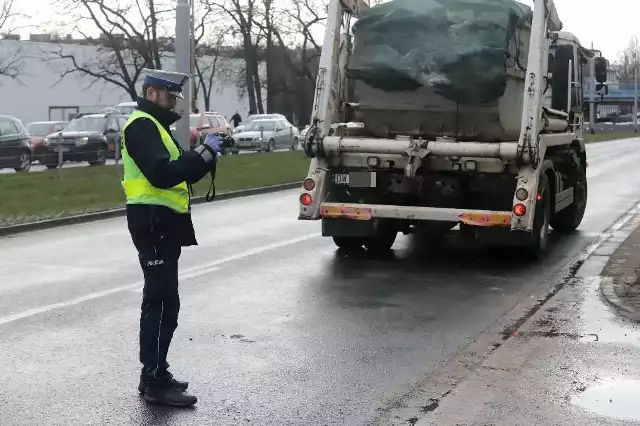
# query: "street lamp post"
x,y
194,87
635,100
183,65
592,95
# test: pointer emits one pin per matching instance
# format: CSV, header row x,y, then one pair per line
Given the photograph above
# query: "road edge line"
x,y
112,213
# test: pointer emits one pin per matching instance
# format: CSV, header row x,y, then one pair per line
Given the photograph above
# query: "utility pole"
x,y
183,65
194,87
592,95
635,100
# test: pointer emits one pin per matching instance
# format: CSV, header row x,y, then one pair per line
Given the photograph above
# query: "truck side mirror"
x,y
600,69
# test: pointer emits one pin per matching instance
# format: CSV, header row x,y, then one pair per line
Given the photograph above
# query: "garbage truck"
x,y
470,114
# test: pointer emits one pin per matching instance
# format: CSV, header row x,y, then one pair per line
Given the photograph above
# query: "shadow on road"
x,y
453,255
152,414
453,266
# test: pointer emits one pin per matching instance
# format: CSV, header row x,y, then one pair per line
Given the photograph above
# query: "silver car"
x,y
266,135
252,117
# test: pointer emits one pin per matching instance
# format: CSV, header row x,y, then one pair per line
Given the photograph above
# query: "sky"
x,y
609,25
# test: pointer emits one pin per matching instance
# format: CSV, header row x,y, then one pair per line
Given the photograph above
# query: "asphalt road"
x,y
276,327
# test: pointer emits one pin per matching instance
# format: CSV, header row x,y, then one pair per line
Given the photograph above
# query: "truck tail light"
x,y
519,210
305,199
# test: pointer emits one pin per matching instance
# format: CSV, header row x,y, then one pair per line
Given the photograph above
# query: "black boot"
x,y
181,386
167,394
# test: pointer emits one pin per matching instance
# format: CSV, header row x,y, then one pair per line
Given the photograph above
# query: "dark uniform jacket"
x,y
144,145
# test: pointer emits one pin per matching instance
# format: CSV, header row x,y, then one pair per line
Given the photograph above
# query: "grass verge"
x,y
609,136
35,196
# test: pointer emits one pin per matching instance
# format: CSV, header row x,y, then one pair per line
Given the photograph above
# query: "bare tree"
x,y
242,14
628,61
208,67
129,39
10,62
290,51
305,15
267,27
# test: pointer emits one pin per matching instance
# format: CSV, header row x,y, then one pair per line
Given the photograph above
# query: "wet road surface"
x,y
576,359
276,327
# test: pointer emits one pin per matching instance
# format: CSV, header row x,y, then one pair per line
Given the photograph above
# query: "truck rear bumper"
x,y
381,211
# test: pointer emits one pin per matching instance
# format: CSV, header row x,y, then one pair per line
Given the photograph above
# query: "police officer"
x,y
157,181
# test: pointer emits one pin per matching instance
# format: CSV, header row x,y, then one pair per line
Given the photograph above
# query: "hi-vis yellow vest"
x,y
138,189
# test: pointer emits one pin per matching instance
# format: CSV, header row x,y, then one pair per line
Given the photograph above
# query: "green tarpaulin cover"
x,y
459,48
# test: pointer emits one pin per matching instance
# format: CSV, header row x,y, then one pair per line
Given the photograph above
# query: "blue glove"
x,y
213,141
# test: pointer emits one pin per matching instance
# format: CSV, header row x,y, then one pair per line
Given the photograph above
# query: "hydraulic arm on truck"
x,y
366,188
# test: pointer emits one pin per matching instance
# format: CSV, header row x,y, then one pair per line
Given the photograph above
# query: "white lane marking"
x,y
189,273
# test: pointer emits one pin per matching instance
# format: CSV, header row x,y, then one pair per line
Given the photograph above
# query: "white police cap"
x,y
172,81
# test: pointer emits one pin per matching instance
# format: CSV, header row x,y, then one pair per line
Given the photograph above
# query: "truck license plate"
x,y
341,179
356,179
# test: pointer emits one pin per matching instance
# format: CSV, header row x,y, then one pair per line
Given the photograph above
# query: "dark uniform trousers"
x,y
158,251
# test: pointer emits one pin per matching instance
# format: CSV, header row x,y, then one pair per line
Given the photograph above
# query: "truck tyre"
x,y
381,243
538,238
349,243
569,218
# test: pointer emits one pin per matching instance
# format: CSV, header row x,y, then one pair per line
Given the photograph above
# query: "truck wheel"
x,y
381,243
569,218
537,239
348,243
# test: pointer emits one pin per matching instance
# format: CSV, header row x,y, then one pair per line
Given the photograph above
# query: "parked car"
x,y
15,145
253,117
194,138
303,134
207,122
126,108
89,137
211,122
200,125
37,132
347,125
266,135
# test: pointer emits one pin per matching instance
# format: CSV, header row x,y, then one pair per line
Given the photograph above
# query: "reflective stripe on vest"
x,y
136,186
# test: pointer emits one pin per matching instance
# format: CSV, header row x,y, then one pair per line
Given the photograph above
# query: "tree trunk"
x,y
255,85
249,78
258,88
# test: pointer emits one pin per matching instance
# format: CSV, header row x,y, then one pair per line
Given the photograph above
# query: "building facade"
x,y
45,89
